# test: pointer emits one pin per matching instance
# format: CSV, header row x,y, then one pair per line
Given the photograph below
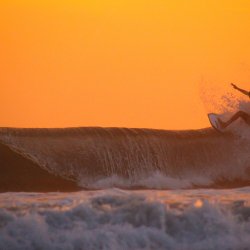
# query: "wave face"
x,y
135,158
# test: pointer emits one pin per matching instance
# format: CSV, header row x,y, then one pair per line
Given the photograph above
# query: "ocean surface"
x,y
120,188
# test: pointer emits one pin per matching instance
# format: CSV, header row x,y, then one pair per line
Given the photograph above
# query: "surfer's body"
x,y
240,114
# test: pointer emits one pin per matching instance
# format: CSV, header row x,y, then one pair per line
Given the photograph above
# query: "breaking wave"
x,y
94,157
116,219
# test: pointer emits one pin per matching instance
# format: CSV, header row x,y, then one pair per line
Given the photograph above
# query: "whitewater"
x,y
117,219
120,188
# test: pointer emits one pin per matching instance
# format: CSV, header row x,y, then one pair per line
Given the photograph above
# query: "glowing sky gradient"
x,y
129,63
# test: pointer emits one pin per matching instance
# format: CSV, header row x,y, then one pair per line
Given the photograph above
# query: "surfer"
x,y
240,114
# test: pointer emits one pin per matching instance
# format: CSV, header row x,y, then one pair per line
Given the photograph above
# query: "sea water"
x,y
121,219
141,189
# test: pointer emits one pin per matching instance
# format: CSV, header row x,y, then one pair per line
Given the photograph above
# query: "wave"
x,y
94,157
117,219
21,174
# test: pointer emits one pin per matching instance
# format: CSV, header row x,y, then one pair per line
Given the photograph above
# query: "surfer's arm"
x,y
241,90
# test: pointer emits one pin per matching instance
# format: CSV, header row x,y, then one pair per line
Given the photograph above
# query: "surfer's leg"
x,y
239,114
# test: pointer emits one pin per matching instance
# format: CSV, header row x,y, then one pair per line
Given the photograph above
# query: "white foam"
x,y
155,180
133,220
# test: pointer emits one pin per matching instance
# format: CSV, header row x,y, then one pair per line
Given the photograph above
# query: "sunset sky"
x,y
126,63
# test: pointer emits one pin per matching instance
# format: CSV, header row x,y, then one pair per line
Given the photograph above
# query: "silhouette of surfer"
x,y
240,114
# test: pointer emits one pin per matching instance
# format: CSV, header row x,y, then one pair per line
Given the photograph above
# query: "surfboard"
x,y
213,118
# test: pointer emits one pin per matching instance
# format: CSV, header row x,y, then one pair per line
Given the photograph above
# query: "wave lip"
x,y
129,158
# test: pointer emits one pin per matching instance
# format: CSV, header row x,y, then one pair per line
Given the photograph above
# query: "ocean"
x,y
120,188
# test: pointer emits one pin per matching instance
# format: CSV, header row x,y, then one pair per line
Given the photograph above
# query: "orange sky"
x,y
132,63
